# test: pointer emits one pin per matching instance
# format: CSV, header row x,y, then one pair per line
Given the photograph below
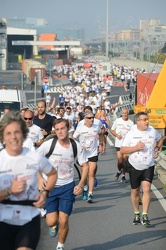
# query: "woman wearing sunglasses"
x,y
89,134
35,132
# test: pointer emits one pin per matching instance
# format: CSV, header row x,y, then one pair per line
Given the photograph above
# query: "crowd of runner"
x,y
75,125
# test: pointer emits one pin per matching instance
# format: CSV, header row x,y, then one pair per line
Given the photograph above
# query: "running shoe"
x,y
85,193
137,219
123,179
90,198
145,221
53,231
117,176
43,212
95,183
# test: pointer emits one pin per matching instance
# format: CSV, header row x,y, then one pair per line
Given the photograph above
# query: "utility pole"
x,y
107,31
35,91
22,81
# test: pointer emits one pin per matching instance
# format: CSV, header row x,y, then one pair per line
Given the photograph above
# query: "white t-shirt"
x,y
24,166
121,127
48,98
87,102
28,143
71,118
63,160
144,158
35,133
88,138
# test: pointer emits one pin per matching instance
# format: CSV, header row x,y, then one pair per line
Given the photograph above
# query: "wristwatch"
x,y
47,191
8,190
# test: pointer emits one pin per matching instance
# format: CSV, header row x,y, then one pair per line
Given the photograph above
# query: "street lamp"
x,y
107,31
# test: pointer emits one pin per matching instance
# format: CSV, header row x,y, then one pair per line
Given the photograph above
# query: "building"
x,y
132,34
148,23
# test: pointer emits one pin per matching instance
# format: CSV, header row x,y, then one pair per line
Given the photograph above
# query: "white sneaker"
x,y
43,212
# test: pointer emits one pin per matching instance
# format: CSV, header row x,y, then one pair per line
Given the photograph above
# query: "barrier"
x,y
126,98
118,110
32,106
160,167
57,89
161,160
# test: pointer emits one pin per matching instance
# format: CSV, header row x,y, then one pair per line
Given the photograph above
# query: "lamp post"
x,y
107,31
35,91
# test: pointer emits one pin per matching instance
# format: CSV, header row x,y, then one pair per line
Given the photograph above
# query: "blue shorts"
x,y
61,199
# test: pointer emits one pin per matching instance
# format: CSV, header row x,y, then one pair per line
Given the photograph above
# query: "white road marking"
x,y
110,142
159,196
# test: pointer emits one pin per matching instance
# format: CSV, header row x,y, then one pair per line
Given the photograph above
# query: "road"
x,y
107,223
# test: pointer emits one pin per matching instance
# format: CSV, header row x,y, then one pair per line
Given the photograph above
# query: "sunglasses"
x,y
26,118
92,117
144,119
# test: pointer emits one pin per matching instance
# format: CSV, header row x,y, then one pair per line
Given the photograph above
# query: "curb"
x,y
161,173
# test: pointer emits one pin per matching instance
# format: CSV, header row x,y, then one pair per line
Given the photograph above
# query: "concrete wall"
x,y
137,64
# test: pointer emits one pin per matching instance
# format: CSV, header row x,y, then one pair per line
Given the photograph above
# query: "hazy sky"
x,y
88,14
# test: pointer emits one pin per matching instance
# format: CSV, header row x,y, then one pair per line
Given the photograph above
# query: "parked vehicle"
x,y
13,99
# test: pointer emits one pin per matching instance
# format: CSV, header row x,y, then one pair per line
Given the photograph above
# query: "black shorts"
x,y
93,159
137,176
117,149
106,133
13,237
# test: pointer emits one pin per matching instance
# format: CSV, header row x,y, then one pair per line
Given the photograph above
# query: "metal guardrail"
x,y
124,99
118,110
32,106
57,89
161,160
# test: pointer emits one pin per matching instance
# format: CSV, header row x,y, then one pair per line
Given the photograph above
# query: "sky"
x,y
88,14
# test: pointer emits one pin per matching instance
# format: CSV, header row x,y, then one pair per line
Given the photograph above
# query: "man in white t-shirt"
x,y
59,205
119,129
70,116
48,99
35,132
141,143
